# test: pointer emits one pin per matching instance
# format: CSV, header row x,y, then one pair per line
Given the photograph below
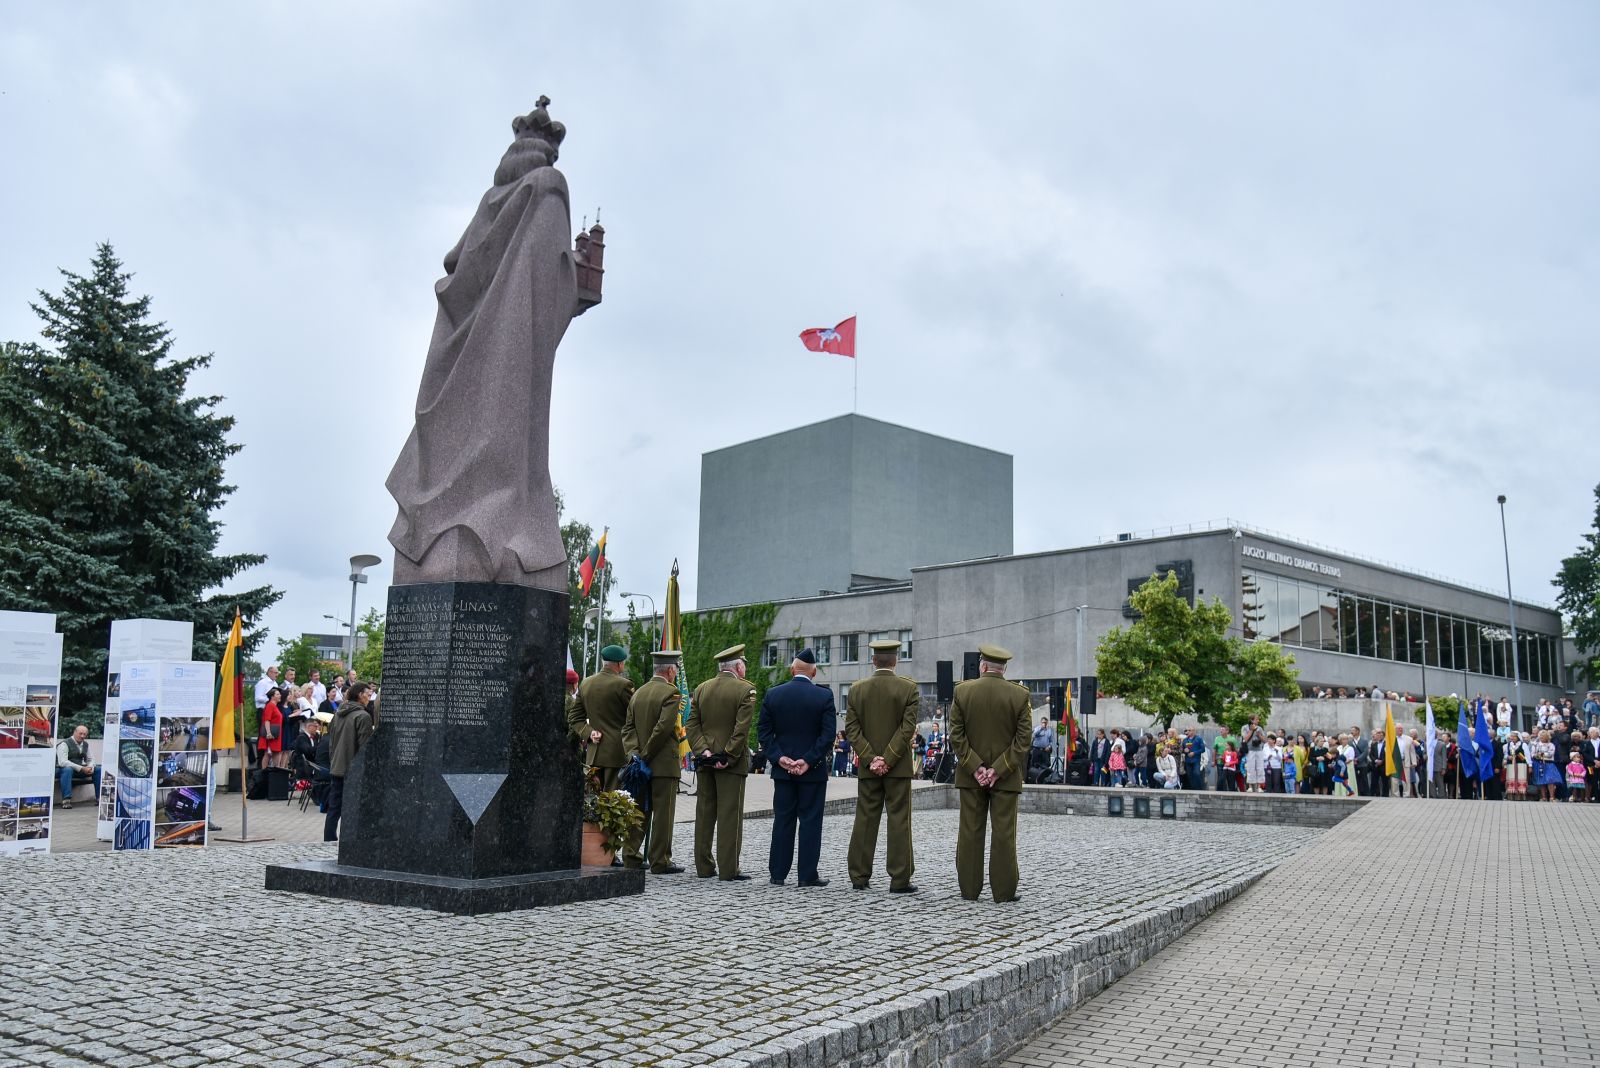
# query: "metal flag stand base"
x,y
244,837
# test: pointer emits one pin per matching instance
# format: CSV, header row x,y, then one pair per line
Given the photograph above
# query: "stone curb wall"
x,y
1207,806
979,1019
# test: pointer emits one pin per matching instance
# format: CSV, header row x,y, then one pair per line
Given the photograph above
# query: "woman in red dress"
x,y
270,745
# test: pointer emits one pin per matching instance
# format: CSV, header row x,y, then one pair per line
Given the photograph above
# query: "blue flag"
x,y
1485,748
1469,755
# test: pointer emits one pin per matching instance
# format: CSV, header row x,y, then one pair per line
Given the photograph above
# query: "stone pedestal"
x,y
467,799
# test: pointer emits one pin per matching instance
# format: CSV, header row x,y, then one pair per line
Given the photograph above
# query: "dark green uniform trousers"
x,y
980,807
608,777
874,793
719,807
663,807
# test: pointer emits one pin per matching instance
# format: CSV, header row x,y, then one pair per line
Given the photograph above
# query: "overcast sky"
x,y
1330,269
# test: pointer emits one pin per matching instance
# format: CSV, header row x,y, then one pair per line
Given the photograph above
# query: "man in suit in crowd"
x,y
1591,761
719,736
796,729
989,736
1378,781
650,732
1194,752
1099,756
880,719
1359,774
597,713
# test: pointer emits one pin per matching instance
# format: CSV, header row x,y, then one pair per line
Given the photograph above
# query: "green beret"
x,y
614,654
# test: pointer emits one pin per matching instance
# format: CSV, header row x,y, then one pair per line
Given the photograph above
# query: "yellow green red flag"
x,y
1391,766
230,690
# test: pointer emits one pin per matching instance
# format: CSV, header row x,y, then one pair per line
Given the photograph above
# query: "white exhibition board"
x,y
132,639
30,706
163,754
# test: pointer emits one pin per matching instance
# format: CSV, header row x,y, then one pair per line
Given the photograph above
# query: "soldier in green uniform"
x,y
719,737
880,718
651,733
989,736
597,713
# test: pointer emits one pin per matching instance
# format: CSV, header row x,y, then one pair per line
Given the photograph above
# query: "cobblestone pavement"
x,y
1409,935
74,828
182,958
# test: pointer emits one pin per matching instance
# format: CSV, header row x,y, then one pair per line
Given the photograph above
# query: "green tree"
x,y
301,654
1446,711
369,658
705,634
111,475
1579,599
1177,659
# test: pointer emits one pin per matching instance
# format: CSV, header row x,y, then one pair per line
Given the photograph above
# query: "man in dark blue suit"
x,y
797,727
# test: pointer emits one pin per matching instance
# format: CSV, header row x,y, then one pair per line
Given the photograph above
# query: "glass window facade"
x,y
905,645
822,645
849,648
1292,612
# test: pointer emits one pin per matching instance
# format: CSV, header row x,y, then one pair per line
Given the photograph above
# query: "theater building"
x,y
1349,622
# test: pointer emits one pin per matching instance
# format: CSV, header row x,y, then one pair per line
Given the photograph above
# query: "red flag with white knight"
x,y
839,340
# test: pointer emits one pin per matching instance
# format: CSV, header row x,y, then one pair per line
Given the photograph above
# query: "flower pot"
x,y
595,852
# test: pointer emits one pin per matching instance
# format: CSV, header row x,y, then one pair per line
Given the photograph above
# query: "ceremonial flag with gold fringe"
x,y
230,689
1072,725
672,638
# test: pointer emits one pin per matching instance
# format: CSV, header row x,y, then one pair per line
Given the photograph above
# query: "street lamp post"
x,y
358,565
655,635
1511,607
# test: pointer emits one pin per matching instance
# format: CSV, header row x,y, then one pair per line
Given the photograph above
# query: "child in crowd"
x,y
1575,777
1289,770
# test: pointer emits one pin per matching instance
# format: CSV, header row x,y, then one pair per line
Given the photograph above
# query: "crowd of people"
x,y
314,731
1558,760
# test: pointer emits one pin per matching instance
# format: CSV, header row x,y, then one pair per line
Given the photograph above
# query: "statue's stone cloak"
x,y
473,481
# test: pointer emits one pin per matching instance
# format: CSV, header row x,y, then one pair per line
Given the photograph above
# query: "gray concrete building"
x,y
843,504
1349,623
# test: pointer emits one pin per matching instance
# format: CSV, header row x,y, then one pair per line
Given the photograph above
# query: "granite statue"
x,y
473,480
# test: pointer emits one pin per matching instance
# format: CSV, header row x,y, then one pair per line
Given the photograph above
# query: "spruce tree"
x,y
110,478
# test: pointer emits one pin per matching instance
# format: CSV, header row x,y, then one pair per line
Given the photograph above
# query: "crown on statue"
x,y
538,124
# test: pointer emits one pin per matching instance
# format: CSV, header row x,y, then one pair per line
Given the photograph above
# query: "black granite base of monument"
x,y
468,797
464,897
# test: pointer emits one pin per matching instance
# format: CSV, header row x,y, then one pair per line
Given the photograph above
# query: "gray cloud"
x,y
1327,269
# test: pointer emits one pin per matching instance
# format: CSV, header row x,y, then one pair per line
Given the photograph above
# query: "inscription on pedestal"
x,y
445,666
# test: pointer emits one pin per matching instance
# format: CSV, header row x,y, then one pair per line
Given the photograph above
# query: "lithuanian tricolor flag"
x,y
1072,725
230,689
1391,758
593,564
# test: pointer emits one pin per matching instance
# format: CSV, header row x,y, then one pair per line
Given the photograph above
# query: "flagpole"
x,y
855,386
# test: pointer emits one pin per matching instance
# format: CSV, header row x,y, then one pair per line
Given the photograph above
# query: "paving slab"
x,y
1414,932
147,958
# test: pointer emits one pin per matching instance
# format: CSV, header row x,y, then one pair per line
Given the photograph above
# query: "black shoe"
x,y
909,888
1007,900
858,886
740,878
615,863
670,869
213,826
815,882
707,875
778,882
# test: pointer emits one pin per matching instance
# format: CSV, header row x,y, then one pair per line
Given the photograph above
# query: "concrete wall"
x,y
1204,806
1295,717
843,501
960,605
